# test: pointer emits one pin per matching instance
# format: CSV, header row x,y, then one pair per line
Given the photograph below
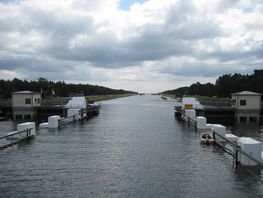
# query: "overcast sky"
x,y
144,46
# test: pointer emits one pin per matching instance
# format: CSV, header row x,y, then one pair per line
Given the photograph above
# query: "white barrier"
x,y
43,125
185,116
221,130
250,146
191,114
209,126
231,137
74,112
53,121
27,125
201,122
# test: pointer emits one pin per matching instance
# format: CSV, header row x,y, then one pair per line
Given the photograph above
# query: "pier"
x,y
73,115
75,109
236,150
25,131
244,150
40,109
243,107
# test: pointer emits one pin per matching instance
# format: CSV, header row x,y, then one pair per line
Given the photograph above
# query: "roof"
x,y
246,93
25,92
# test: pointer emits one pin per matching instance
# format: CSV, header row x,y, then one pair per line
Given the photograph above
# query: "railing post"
x,y
236,157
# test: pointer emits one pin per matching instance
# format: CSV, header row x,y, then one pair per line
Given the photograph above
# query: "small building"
x,y
248,106
24,104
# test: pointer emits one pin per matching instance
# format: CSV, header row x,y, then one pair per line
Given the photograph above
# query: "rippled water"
x,y
134,148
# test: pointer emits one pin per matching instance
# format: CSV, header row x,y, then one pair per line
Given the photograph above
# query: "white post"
x,y
221,130
201,122
43,125
53,121
27,125
192,114
231,137
250,146
74,112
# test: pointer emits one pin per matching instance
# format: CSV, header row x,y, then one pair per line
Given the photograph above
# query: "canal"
x,y
134,148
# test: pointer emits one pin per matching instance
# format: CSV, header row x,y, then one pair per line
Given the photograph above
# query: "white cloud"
x,y
7,74
154,42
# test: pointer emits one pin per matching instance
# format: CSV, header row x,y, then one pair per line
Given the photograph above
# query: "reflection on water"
x,y
133,148
249,130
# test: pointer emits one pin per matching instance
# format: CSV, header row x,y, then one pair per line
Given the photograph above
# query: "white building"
x,y
24,103
248,105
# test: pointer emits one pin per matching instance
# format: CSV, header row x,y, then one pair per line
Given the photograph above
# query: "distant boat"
x,y
163,97
207,137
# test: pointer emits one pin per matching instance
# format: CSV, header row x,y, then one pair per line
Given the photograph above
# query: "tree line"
x,y
55,89
224,86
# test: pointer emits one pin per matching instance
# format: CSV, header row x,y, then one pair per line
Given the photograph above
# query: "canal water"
x,y
134,148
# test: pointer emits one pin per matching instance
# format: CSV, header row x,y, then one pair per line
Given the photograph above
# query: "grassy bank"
x,y
97,98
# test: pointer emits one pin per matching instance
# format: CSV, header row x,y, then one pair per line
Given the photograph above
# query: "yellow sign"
x,y
188,106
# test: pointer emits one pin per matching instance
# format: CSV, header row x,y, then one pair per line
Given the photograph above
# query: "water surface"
x,y
134,148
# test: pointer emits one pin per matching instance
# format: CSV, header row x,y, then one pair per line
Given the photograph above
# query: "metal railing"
x,y
237,149
66,120
82,114
54,102
14,138
215,102
192,122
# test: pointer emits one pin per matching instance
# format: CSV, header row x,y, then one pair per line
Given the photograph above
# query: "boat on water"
x,y
207,137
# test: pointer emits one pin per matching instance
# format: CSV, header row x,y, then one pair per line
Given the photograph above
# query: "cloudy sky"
x,y
139,45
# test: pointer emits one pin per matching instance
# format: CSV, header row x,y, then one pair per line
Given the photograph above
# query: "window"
x,y
243,119
18,117
37,100
27,117
27,101
243,102
253,119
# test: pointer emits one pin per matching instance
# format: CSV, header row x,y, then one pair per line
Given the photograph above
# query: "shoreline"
x,y
97,98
